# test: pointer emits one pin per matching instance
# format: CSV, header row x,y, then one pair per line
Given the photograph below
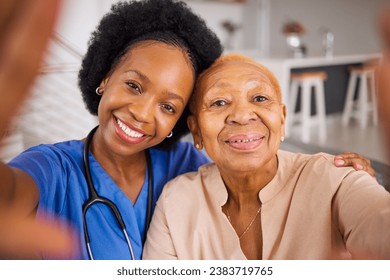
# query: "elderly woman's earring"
x,y
282,139
98,91
170,134
198,146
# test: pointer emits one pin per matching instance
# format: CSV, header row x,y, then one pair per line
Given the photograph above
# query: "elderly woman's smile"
x,y
245,141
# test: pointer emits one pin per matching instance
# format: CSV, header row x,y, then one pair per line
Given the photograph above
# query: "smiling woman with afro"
x,y
169,21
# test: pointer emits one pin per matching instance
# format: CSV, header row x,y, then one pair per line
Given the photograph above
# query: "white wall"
x,y
214,13
78,18
353,23
252,17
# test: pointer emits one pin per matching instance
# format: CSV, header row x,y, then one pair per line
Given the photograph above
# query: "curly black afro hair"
x,y
170,21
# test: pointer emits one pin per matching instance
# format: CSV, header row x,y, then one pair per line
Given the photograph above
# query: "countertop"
x,y
319,60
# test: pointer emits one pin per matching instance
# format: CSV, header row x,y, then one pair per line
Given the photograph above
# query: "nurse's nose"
x,y
143,111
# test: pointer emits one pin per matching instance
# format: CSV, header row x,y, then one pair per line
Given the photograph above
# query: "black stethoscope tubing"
x,y
94,197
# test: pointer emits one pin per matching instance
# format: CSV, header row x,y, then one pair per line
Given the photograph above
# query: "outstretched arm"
x,y
25,28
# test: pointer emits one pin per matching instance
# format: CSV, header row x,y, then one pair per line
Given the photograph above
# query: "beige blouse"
x,y
310,210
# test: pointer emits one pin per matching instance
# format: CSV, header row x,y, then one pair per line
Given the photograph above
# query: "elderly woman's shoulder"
x,y
321,163
191,182
320,171
299,158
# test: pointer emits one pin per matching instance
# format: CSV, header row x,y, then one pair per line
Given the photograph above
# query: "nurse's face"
x,y
144,96
239,117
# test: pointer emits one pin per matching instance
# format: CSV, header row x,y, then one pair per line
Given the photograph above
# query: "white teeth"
x,y
128,131
245,140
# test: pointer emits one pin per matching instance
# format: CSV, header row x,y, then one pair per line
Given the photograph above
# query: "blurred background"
x,y
288,36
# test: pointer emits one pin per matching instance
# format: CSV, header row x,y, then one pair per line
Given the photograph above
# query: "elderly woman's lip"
x,y
245,141
245,144
244,138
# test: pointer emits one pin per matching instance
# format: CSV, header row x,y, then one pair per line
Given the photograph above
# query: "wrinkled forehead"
x,y
223,72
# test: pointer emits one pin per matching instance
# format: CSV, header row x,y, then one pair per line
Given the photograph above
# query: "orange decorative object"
x,y
293,27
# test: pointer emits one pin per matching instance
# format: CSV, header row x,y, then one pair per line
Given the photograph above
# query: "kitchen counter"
x,y
321,60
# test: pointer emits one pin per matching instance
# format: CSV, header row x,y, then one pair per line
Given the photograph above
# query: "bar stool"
x,y
365,103
306,81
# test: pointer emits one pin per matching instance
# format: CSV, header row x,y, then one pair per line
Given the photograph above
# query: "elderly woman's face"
x,y
239,117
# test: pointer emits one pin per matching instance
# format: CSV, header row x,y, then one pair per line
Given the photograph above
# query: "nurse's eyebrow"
x,y
140,74
172,95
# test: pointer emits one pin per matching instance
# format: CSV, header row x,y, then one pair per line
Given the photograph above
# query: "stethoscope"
x,y
94,197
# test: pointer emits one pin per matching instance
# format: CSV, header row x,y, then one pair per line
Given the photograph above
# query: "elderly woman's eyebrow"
x,y
219,84
259,83
211,87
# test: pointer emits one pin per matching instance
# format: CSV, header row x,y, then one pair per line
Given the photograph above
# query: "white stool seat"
x,y
365,103
306,81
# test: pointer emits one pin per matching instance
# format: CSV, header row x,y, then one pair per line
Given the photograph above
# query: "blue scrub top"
x,y
59,174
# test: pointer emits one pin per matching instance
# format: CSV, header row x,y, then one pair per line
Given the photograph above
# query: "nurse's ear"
x,y
102,85
192,123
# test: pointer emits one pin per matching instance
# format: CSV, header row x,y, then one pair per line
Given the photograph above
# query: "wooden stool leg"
x,y
320,106
363,101
349,101
374,103
294,87
306,112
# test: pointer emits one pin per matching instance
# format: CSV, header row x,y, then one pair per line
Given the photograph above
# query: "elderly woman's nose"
x,y
241,113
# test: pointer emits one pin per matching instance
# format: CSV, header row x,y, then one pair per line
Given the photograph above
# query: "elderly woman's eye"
x,y
218,103
260,98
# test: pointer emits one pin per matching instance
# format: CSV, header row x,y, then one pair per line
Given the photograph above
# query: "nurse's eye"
x,y
169,108
219,103
134,87
260,98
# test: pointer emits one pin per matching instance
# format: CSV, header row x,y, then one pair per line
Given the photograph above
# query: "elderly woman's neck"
x,y
244,186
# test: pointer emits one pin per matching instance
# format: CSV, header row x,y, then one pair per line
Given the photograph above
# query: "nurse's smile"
x,y
128,133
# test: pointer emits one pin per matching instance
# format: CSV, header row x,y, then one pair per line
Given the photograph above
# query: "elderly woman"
x,y
255,201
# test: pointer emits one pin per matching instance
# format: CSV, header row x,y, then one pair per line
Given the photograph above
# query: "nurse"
x,y
137,77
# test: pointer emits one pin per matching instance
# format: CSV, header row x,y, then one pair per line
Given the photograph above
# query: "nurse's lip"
x,y
245,141
128,133
130,130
